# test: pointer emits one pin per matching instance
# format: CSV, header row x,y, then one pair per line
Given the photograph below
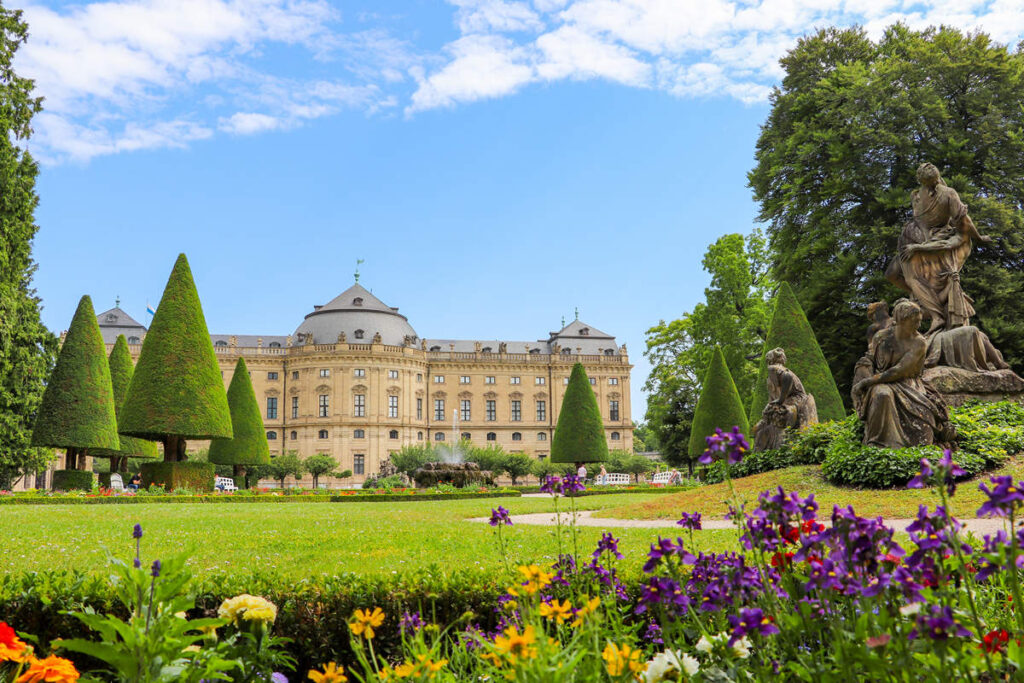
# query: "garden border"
x,y
221,498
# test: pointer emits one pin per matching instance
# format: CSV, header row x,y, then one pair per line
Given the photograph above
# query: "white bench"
x,y
661,478
611,479
116,483
224,484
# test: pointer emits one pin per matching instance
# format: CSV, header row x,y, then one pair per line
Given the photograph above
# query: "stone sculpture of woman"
x,y
897,406
789,407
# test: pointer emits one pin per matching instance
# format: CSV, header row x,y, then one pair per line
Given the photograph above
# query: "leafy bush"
x,y
197,476
386,483
992,430
72,480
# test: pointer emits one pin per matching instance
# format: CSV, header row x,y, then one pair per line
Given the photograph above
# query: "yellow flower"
x,y
50,670
553,611
515,646
333,673
536,578
589,607
248,608
364,621
619,660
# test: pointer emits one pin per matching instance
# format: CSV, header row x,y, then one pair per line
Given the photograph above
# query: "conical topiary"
x,y
177,392
790,331
249,444
579,435
121,370
77,411
719,405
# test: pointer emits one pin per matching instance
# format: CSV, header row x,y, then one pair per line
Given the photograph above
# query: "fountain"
x,y
452,467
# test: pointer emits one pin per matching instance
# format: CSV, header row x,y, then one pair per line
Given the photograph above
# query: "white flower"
x,y
665,663
704,645
690,665
742,647
911,609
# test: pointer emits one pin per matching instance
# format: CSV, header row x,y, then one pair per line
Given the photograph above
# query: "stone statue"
x,y
377,338
878,313
898,407
789,405
502,347
341,337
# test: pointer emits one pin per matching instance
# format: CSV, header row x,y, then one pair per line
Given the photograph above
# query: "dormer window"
x,y
220,342
435,348
609,352
111,318
486,349
358,334
585,332
566,351
275,345
358,301
133,340
534,351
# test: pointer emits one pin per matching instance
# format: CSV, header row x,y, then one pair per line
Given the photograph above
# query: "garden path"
x,y
586,518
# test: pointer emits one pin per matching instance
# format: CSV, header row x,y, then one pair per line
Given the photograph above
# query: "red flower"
x,y
895,560
782,560
994,641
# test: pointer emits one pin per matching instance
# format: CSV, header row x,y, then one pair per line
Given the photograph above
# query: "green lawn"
x,y
889,503
298,539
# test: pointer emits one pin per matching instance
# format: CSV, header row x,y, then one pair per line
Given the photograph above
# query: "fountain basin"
x,y
457,474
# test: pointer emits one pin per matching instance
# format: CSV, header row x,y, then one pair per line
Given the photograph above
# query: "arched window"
x,y
566,351
275,345
516,436
435,348
323,434
358,334
359,434
271,436
491,436
358,301
534,351
609,352
438,436
393,434
294,435
466,436
585,332
419,436
615,436
486,349
133,340
542,436
220,342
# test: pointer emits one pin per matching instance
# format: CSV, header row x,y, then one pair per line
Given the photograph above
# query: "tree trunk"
x,y
174,448
316,481
71,459
239,471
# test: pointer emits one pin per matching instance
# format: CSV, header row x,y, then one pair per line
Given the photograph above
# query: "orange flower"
x,y
364,622
12,648
332,673
53,669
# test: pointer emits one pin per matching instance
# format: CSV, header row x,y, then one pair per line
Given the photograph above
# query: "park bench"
x,y
661,478
116,483
225,484
611,479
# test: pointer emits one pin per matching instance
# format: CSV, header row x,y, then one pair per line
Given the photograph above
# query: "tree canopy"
x,y
121,370
836,162
27,348
719,406
579,434
249,444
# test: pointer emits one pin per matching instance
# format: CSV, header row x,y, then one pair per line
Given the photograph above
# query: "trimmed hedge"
x,y
77,410
719,405
225,498
579,435
249,445
790,330
177,388
121,371
72,480
195,476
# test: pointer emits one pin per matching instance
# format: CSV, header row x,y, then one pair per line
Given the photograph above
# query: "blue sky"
x,y
496,163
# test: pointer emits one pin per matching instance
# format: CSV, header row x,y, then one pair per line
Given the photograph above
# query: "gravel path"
x,y
586,518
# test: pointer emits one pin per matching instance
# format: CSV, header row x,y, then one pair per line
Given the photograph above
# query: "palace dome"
x,y
360,315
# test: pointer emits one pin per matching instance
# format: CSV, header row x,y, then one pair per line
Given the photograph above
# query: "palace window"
x,y
464,379
567,351
486,349
438,436
465,410
613,381
613,410
359,434
325,404
491,436
465,436
593,381
489,379
358,301
271,376
419,436
439,409
492,411
220,342
609,352
392,374
393,434
542,436
324,372
295,406
134,340
419,409
271,436
358,464
517,411
294,435
542,411
271,407
359,372
359,405
438,379
275,345
322,434
358,334
295,374
513,380
419,376
540,380
435,348
565,380
516,436
392,406
534,351
615,436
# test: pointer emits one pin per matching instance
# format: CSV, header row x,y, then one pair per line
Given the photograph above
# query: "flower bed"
x,y
356,496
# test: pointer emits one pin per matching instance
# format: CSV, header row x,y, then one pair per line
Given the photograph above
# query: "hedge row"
x,y
618,489
72,480
221,498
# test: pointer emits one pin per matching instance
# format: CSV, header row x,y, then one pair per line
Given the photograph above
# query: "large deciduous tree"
x,y
734,315
27,348
836,162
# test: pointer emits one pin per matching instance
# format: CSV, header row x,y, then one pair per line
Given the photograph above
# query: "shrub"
x,y
579,435
195,476
386,483
809,445
72,480
248,445
992,430
719,405
121,371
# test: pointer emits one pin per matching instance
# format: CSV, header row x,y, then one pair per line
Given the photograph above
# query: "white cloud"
x,y
570,52
482,16
248,123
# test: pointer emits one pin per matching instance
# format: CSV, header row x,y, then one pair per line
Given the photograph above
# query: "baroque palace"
x,y
355,381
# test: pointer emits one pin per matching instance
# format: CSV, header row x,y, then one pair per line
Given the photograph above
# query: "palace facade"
x,y
355,381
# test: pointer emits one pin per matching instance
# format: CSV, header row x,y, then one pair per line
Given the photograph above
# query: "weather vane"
x,y
577,311
117,301
359,262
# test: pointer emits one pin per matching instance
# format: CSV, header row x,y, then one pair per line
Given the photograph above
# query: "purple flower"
x,y
690,521
665,592
155,569
751,620
552,485
608,544
664,548
137,562
572,483
733,445
938,624
278,677
946,472
1003,498
653,635
137,531
500,517
410,622
918,482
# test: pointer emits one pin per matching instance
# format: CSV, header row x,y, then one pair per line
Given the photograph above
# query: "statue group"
x,y
905,381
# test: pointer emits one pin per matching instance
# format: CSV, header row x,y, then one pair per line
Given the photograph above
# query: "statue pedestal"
x,y
958,386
